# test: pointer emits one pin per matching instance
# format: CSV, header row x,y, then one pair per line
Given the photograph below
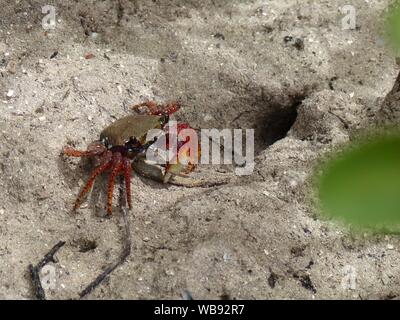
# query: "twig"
x,y
35,270
194,183
49,257
126,251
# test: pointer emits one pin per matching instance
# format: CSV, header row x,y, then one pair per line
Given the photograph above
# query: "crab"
x,y
122,146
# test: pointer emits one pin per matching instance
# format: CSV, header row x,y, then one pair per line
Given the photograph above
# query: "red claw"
x,y
157,110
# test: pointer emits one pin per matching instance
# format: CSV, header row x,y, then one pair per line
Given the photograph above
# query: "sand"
x,y
284,68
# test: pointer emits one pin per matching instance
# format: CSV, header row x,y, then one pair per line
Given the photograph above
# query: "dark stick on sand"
x,y
126,251
49,257
35,270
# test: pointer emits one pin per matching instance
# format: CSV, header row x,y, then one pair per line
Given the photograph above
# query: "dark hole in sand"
x,y
275,125
271,118
86,245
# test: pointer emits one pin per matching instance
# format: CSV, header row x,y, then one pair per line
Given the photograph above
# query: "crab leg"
x,y
117,165
127,174
94,149
101,168
155,109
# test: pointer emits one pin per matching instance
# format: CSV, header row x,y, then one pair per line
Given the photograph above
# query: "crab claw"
x,y
185,162
176,169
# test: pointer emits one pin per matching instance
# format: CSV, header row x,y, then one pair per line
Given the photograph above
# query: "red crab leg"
x,y
94,149
158,110
116,169
101,168
127,174
170,108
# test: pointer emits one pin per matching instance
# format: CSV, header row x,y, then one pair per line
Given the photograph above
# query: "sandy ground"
x,y
227,62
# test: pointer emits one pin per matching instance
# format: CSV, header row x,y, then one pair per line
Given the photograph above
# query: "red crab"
x,y
122,145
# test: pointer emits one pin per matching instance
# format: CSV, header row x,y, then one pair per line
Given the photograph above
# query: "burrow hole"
x,y
270,117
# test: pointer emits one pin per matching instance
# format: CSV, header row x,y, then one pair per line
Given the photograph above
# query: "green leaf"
x,y
392,25
362,185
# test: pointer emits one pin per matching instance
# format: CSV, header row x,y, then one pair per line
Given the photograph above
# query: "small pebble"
x,y
169,272
89,56
390,246
10,93
226,257
299,44
288,39
54,54
94,35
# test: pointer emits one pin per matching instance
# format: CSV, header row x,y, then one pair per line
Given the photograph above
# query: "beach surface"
x,y
287,69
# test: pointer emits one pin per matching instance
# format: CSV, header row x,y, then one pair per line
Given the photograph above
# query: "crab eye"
x,y
164,119
106,142
132,143
129,152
